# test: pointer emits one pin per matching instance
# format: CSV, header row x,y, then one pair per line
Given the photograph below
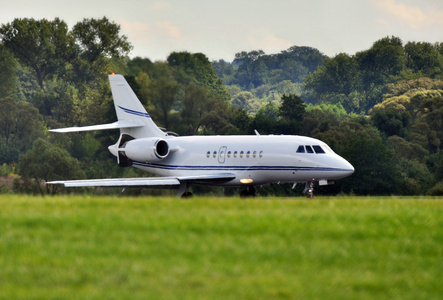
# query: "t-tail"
x,y
134,123
130,111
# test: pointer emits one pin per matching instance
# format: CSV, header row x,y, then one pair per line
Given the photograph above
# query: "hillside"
x,y
384,102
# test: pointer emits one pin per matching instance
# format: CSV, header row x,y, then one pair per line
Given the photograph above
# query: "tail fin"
x,y
133,120
129,109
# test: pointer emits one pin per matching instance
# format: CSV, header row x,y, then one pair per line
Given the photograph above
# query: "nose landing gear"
x,y
309,189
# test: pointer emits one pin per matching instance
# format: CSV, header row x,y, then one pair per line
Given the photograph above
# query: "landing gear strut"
x,y
249,192
309,189
183,191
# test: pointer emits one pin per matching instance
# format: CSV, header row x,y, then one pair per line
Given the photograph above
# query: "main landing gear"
x,y
249,192
183,191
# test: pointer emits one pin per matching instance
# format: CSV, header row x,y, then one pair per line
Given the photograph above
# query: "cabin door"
x,y
222,154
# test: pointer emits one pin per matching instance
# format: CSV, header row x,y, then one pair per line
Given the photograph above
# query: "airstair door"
x,y
222,154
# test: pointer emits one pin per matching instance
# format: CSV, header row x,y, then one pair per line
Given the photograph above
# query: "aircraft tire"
x,y
187,195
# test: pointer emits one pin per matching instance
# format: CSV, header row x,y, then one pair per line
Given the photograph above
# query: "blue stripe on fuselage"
x,y
235,168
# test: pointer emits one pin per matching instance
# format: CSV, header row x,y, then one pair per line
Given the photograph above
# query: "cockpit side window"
x,y
318,149
328,149
309,149
301,149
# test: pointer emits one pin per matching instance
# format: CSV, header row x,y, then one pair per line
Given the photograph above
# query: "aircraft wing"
x,y
147,182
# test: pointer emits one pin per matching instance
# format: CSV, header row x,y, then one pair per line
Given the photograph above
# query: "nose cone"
x,y
350,168
346,168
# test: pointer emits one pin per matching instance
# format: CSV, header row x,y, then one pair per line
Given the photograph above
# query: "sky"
x,y
220,29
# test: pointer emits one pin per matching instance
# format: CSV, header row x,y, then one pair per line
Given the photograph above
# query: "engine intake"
x,y
145,149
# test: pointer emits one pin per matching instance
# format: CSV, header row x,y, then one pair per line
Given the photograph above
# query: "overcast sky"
x,y
219,29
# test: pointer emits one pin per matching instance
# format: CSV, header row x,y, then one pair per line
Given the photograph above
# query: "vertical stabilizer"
x,y
129,108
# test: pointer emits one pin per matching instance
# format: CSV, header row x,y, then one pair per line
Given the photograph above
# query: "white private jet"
x,y
181,161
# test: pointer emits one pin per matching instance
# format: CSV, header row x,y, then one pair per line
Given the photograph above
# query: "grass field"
x,y
220,248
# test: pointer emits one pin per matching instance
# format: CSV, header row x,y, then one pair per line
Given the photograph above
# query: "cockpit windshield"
x,y
317,149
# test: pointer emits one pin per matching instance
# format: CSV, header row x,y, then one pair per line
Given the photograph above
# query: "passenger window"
x,y
235,153
248,154
309,149
254,154
318,149
214,154
241,154
301,149
261,154
208,154
229,153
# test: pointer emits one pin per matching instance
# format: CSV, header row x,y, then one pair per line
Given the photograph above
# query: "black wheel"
x,y
249,192
187,195
244,194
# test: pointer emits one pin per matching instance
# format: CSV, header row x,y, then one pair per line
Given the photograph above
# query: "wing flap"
x,y
115,125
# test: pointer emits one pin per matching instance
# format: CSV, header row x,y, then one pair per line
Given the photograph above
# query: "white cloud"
x,y
160,6
169,30
153,40
267,41
137,32
413,16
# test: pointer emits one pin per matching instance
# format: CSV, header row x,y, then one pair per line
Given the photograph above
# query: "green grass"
x,y
220,248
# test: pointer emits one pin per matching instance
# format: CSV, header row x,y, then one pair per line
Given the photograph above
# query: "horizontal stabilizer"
x,y
115,125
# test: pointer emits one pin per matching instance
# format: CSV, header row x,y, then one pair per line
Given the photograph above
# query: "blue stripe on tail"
x,y
134,112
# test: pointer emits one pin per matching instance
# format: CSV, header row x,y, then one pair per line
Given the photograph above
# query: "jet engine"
x,y
145,149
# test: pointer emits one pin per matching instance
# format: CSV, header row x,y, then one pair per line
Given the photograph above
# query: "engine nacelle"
x,y
145,149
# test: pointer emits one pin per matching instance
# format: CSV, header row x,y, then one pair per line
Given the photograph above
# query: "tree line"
x,y
381,108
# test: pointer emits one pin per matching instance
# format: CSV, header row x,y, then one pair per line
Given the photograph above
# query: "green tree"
x,y
245,100
241,121
45,46
375,172
139,65
265,119
8,78
98,38
97,41
7,118
291,112
216,121
195,106
391,122
338,75
415,177
59,100
196,68
203,112
424,57
46,162
247,63
382,61
338,81
164,95
20,125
